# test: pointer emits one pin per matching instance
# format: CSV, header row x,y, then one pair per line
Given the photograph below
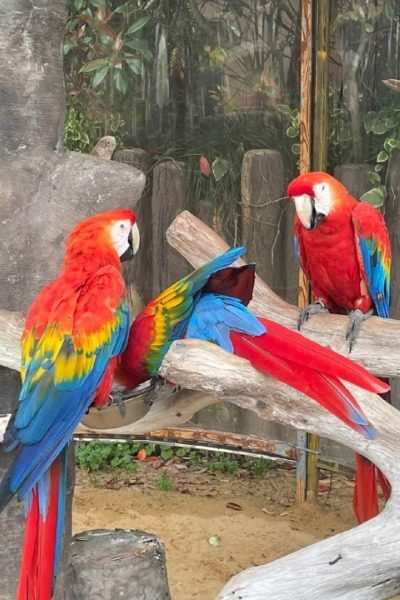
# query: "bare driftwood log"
x,y
358,564
377,347
121,563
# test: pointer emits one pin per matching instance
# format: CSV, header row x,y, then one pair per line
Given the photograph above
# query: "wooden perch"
x,y
377,347
358,564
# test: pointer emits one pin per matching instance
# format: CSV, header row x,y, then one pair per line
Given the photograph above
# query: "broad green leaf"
x,y
140,46
69,43
382,156
389,144
219,168
93,65
78,4
137,25
291,132
374,178
166,453
135,65
376,196
379,126
218,55
120,80
295,148
100,75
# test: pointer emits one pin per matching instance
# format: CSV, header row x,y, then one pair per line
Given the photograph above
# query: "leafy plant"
x,y
384,127
224,464
105,48
164,483
97,456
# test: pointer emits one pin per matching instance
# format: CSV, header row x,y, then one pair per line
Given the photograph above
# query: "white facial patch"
x,y
304,209
323,198
119,232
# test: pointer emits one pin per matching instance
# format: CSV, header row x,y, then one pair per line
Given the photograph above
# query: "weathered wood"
x,y
261,189
136,157
392,218
377,347
354,178
140,270
358,564
120,563
167,201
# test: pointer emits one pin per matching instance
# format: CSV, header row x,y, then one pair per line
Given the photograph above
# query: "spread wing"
x,y
374,254
165,319
69,338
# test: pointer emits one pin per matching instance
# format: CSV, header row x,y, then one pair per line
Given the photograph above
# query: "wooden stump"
x,y
167,201
112,564
264,218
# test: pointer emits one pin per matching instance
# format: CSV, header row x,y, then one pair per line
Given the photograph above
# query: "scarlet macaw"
x,y
209,304
76,325
343,247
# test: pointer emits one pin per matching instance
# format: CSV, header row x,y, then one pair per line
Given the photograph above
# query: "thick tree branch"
x,y
377,348
357,564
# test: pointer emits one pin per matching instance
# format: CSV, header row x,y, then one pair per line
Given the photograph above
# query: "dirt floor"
x,y
213,524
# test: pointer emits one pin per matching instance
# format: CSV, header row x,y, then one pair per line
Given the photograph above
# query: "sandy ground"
x,y
263,524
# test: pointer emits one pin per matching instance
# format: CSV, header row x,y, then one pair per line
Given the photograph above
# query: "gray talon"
x,y
311,309
356,318
117,397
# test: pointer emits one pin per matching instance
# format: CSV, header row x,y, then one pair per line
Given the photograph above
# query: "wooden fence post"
x,y
167,201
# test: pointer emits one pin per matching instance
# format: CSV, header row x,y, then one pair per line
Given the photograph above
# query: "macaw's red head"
x,y
316,195
112,235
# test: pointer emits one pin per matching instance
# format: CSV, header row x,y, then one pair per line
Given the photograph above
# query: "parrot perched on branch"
x,y
344,249
73,329
210,304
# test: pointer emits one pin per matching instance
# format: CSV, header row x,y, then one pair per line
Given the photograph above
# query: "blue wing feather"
x,y
215,316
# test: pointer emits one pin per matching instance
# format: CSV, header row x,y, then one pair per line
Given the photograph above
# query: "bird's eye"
x,y
323,187
122,225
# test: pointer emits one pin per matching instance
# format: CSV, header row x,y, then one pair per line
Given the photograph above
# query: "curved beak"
x,y
134,243
305,209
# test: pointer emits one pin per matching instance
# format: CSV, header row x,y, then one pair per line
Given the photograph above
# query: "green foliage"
x,y
259,467
105,49
223,463
82,128
383,128
97,456
164,483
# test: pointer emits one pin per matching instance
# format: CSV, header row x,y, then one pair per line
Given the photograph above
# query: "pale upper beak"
x,y
133,244
305,209
134,238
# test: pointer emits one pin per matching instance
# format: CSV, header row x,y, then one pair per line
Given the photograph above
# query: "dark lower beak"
x,y
316,217
128,254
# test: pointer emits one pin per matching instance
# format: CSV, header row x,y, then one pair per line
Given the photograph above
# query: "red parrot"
x,y
73,329
343,248
210,304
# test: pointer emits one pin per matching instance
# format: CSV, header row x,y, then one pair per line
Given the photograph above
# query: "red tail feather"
x,y
328,391
38,553
297,348
365,496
